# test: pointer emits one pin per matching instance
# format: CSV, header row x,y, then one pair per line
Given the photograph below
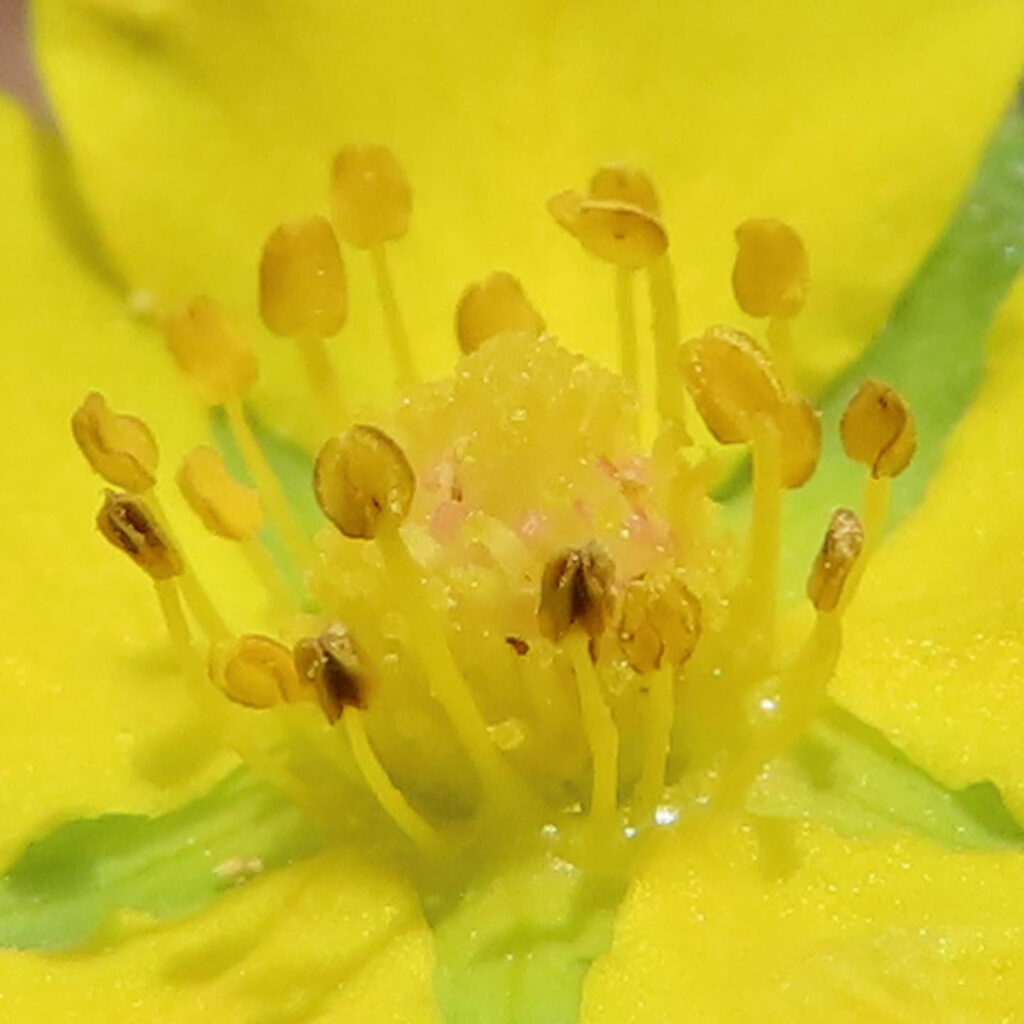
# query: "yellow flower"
x,y
192,128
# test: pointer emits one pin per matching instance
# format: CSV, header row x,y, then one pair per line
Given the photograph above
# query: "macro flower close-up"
x,y
512,512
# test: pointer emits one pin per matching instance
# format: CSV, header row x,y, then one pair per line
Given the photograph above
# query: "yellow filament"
x,y
877,496
665,324
765,526
387,794
780,341
274,501
660,708
599,728
267,573
323,382
624,305
398,337
447,684
199,601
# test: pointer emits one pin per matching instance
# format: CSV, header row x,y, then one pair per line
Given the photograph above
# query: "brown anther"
x,y
225,507
303,291
372,200
620,233
619,183
258,672
577,591
878,429
209,351
496,305
843,543
800,428
337,668
120,448
732,382
363,482
770,275
659,621
129,524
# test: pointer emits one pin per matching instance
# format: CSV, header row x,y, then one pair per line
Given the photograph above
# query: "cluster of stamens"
x,y
515,614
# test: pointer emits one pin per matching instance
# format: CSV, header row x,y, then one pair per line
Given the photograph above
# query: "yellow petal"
x,y
94,713
196,129
726,926
935,640
329,936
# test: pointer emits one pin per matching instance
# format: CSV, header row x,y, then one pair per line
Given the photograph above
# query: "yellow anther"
x,y
129,524
372,200
878,429
496,305
259,672
577,591
843,543
226,507
732,382
120,448
209,351
770,276
338,670
364,482
659,621
618,232
800,429
303,292
618,183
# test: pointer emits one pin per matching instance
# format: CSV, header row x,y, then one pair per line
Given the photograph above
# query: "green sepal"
x,y
67,885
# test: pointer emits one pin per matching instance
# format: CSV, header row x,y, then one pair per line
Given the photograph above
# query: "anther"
x,y
732,382
577,592
129,524
878,429
303,292
770,275
617,232
496,305
258,672
844,541
120,448
336,667
659,622
209,351
371,194
619,183
225,507
363,482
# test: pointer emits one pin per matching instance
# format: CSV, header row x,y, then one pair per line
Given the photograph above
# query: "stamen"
x,y
209,352
620,183
363,482
365,485
303,296
620,233
372,204
120,448
659,625
496,305
337,668
842,546
770,275
878,429
233,511
576,603
129,524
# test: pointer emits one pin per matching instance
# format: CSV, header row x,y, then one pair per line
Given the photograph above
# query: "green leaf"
x,y
847,775
932,349
66,886
517,949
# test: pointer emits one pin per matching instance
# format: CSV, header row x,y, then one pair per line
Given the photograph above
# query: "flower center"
x,y
524,626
